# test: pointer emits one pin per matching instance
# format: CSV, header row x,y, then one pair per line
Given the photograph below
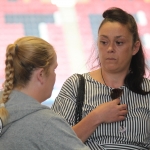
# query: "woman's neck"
x,y
113,80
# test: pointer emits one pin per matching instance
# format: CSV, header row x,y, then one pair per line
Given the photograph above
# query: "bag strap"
x,y
79,98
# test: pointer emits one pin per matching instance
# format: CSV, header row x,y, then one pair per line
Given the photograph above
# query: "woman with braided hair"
x,y
116,104
25,124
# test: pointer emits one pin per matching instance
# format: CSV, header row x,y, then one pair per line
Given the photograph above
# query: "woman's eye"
x,y
103,42
119,43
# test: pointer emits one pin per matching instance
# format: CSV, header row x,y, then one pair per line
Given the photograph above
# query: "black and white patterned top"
x,y
107,136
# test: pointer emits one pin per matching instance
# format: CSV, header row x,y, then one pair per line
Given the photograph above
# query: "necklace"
x,y
116,93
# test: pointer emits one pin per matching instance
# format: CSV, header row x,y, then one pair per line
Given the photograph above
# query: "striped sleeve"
x,y
65,102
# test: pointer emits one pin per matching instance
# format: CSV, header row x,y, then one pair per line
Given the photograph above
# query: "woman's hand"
x,y
110,112
105,113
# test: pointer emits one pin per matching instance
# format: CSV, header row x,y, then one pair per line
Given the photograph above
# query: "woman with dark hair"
x,y
123,123
25,124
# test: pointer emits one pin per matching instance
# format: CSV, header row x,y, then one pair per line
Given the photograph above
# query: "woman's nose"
x,y
111,48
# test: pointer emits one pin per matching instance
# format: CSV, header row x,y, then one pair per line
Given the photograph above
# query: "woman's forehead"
x,y
115,29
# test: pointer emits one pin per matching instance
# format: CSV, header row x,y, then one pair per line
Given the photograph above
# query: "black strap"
x,y
80,98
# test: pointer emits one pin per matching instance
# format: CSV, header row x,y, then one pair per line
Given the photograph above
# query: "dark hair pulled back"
x,y
135,77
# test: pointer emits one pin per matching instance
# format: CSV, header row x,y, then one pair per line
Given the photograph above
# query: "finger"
x,y
123,113
117,101
123,106
120,118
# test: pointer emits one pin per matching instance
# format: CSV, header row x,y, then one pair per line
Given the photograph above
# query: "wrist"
x,y
96,118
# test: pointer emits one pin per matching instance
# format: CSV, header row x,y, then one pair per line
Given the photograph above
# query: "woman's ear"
x,y
136,47
40,75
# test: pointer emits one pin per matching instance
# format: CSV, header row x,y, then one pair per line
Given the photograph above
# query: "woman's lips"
x,y
110,59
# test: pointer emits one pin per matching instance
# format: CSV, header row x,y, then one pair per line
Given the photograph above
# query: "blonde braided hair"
x,y
22,57
9,78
